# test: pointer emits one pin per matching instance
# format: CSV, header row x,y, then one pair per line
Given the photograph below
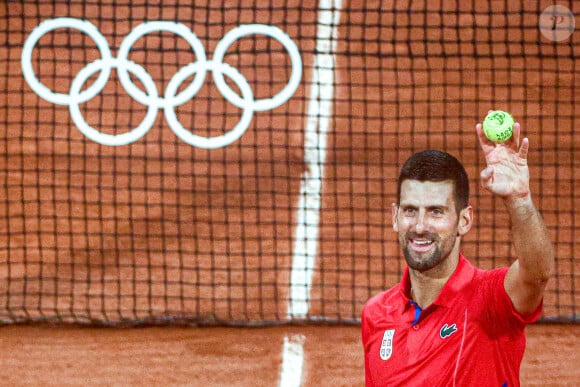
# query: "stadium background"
x,y
160,232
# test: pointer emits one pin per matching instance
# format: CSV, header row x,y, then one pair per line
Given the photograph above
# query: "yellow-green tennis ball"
x,y
498,126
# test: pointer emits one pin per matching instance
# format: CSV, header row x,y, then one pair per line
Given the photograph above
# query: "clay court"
x,y
166,262
230,356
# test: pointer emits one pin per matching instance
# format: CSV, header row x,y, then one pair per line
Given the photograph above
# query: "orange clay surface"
x,y
42,355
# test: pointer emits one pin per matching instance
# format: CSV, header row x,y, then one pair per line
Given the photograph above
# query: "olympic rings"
x,y
171,98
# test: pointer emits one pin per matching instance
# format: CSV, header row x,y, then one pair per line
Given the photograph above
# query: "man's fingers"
x,y
486,177
514,141
523,153
486,144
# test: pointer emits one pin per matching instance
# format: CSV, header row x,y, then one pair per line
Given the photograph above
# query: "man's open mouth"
x,y
421,244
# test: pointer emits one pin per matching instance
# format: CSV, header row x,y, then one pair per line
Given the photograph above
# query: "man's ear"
x,y
395,212
465,221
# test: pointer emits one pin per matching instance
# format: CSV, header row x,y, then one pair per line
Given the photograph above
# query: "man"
x,y
448,323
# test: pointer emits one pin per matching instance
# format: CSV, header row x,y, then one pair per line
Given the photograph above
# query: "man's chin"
x,y
419,262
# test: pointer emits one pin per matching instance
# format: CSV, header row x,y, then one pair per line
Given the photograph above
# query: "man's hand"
x,y
507,173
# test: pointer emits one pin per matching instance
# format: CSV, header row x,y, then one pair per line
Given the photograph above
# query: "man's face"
x,y
428,224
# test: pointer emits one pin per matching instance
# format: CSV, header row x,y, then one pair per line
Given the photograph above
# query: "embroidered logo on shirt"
x,y
447,330
387,344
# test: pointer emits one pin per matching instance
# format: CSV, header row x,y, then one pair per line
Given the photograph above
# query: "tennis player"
x,y
448,323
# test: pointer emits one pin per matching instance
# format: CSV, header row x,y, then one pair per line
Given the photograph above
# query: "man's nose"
x,y
420,225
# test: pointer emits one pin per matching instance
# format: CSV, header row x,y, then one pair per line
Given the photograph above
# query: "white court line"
x,y
292,361
317,124
306,235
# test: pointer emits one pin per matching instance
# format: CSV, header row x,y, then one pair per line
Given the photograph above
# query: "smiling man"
x,y
448,323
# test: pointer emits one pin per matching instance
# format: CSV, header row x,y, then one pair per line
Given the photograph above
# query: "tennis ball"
x,y
498,126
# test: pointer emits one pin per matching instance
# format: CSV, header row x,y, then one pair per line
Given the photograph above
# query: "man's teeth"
x,y
422,243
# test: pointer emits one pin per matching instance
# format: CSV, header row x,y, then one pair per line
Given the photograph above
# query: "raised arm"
x,y
507,175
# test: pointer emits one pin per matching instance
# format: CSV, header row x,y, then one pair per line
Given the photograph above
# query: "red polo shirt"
x,y
470,336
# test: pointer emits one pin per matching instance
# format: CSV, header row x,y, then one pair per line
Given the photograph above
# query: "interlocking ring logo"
x,y
150,98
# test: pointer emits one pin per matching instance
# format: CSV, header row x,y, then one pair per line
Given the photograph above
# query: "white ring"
x,y
111,139
209,142
289,45
158,26
45,92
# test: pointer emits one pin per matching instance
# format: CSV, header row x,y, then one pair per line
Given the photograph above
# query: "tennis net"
x,y
235,162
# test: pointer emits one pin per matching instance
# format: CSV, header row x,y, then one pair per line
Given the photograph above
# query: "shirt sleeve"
x,y
500,310
365,337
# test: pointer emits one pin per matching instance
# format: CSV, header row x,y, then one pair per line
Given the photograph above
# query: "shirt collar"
x,y
462,275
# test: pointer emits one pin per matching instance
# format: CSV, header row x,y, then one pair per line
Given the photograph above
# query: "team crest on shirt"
x,y
387,344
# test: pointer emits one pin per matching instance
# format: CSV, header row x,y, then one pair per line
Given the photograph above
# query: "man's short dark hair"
x,y
434,165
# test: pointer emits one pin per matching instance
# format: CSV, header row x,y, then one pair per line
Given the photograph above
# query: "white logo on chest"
x,y
387,344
